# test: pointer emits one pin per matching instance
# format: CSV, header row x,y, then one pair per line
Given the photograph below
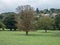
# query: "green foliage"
x,y
45,11
57,21
2,25
50,11
1,17
45,22
9,21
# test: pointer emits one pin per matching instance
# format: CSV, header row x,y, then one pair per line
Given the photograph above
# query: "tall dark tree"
x,y
9,21
37,10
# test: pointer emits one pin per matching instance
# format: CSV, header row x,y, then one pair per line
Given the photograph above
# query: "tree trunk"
x,y
3,29
10,29
45,31
15,29
26,32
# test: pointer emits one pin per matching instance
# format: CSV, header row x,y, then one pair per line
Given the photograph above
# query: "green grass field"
x,y
34,38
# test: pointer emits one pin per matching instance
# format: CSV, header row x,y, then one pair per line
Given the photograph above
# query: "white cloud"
x,y
10,5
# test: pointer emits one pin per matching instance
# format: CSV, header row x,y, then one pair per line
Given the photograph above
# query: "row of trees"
x,y
27,20
48,11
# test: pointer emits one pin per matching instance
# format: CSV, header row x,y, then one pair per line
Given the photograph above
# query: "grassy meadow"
x,y
34,38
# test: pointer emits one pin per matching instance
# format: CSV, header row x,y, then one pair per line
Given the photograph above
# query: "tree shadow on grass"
x,y
41,35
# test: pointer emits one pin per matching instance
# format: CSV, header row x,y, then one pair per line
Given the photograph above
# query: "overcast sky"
x,y
10,5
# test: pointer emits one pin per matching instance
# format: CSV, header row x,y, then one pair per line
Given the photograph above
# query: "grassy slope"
x,y
34,38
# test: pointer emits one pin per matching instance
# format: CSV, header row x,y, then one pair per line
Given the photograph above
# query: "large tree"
x,y
9,20
25,18
45,23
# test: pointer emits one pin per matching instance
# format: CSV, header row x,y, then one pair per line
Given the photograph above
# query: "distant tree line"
x,y
48,11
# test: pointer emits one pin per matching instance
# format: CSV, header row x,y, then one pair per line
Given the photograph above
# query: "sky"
x,y
11,5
